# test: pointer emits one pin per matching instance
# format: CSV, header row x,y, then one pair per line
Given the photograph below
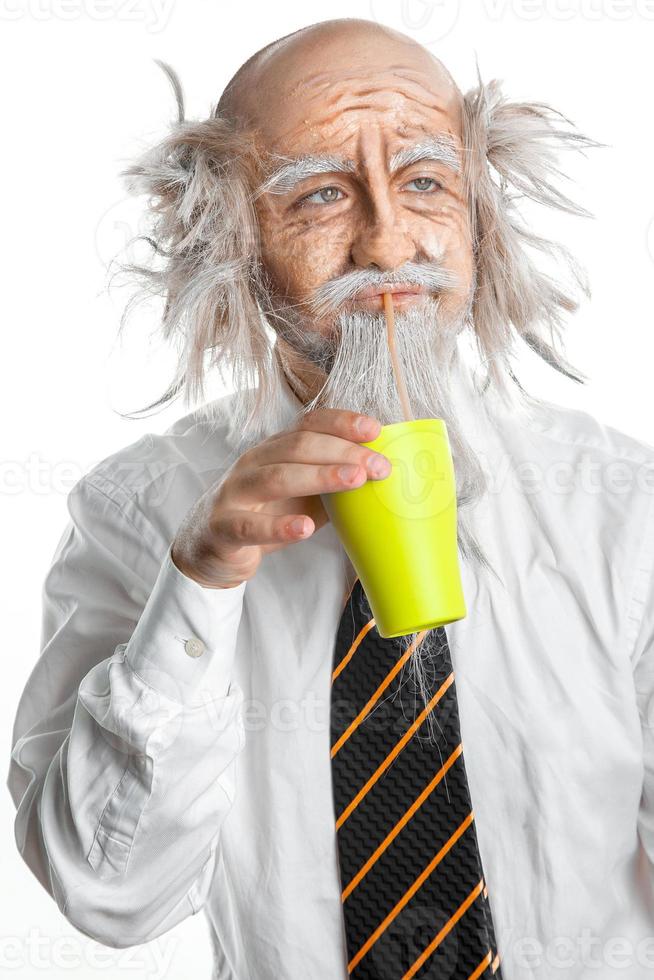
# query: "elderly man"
x,y
172,746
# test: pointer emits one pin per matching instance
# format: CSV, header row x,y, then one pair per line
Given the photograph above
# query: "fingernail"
x,y
297,525
366,426
379,466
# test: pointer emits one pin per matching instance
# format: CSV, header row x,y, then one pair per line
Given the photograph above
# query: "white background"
x,y
81,96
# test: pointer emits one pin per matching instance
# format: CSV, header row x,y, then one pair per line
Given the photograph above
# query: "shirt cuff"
x,y
184,643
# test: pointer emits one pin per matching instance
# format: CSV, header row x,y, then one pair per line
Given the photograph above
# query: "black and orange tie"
x,y
415,903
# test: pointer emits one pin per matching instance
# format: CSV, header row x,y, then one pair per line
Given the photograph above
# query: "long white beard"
x,y
360,378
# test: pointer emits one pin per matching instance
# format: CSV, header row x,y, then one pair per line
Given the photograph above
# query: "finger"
x,y
340,422
279,481
305,446
239,529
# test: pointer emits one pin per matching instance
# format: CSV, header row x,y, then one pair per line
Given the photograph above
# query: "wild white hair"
x,y
512,153
205,265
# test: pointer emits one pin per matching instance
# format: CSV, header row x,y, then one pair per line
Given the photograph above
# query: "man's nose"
x,y
384,243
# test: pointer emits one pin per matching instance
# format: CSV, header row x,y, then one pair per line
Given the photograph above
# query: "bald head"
x,y
307,64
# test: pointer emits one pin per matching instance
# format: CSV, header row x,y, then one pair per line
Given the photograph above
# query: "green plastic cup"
x,y
400,533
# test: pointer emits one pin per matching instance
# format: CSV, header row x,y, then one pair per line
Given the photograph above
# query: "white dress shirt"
x,y
172,743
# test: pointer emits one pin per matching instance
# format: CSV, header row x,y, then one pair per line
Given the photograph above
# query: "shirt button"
x,y
194,647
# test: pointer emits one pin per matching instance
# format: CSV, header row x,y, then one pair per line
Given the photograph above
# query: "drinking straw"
x,y
397,370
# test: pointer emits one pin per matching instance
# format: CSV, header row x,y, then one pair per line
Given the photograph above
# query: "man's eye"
x,y
425,184
326,195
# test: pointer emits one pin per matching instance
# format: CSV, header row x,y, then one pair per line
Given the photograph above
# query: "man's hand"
x,y
269,498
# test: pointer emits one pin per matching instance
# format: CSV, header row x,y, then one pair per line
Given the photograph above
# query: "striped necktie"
x,y
415,903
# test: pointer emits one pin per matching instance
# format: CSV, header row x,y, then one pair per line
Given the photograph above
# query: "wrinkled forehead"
x,y
328,110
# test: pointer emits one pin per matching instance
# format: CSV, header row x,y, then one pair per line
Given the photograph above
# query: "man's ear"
x,y
511,151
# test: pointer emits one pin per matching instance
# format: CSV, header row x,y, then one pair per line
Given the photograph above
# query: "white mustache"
x,y
331,295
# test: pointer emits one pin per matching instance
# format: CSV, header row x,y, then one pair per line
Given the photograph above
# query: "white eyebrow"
x,y
285,178
440,149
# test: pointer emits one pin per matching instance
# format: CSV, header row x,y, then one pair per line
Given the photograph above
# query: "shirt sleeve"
x,y
129,727
640,636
